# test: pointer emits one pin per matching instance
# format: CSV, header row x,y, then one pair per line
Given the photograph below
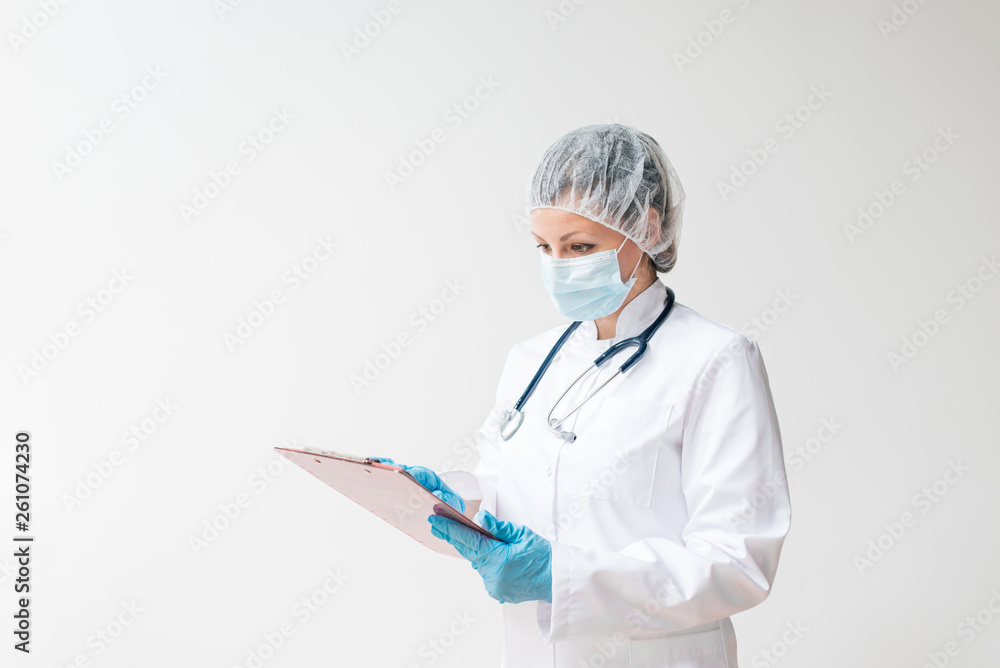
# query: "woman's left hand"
x,y
515,570
432,481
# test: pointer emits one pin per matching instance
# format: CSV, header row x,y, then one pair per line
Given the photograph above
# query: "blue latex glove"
x,y
431,481
517,570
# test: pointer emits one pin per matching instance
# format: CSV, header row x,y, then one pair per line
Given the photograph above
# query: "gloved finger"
x,y
432,481
455,533
507,532
447,498
452,499
469,543
470,554
425,477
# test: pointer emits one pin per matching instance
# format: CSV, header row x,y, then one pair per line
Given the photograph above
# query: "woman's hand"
x,y
431,481
515,570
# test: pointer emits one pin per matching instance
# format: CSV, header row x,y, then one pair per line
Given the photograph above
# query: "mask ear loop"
x,y
636,262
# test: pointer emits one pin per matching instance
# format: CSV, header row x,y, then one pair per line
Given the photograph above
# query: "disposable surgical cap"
x,y
617,176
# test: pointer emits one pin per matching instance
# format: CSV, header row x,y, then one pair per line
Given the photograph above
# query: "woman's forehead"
x,y
557,223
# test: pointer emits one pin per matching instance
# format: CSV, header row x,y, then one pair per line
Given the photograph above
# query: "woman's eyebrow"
x,y
564,237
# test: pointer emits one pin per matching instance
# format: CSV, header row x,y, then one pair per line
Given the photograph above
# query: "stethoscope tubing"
x,y
514,417
641,342
545,365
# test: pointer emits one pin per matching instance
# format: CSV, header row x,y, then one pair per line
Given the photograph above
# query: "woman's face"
x,y
562,234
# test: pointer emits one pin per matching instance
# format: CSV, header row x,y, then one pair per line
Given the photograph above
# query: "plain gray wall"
x,y
864,436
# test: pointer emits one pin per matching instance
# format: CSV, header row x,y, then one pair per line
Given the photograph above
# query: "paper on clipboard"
x,y
386,490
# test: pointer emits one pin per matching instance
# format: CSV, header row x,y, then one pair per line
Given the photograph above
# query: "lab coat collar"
x,y
637,315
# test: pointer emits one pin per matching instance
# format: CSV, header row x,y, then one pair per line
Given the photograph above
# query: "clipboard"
x,y
386,490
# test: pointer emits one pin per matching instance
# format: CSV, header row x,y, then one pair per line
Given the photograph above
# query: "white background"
x,y
459,217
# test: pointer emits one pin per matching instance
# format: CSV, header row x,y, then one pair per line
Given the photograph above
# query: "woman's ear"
x,y
653,226
653,221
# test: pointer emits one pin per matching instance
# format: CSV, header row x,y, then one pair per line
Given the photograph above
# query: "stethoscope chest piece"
x,y
510,422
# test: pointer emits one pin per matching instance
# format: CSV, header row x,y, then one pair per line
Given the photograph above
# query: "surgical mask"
x,y
587,287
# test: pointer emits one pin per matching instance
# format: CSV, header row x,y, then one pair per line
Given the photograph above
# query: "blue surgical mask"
x,y
587,287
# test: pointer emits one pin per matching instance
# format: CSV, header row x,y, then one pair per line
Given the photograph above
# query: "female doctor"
x,y
634,524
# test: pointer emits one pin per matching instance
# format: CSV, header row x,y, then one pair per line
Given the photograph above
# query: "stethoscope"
x,y
511,420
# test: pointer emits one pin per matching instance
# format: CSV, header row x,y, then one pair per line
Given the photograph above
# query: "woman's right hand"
x,y
431,481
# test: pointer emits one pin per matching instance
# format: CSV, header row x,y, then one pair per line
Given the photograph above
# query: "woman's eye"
x,y
581,248
544,247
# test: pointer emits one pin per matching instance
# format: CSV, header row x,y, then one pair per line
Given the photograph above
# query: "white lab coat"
x,y
666,515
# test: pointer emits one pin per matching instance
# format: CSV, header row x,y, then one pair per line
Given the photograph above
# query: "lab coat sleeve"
x,y
738,514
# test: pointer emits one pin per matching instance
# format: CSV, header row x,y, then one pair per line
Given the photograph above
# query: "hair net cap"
x,y
617,176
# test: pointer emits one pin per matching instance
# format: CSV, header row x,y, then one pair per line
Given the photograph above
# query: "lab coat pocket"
x,y
703,649
614,455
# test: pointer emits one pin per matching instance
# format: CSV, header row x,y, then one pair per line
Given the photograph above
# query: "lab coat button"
x,y
548,472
